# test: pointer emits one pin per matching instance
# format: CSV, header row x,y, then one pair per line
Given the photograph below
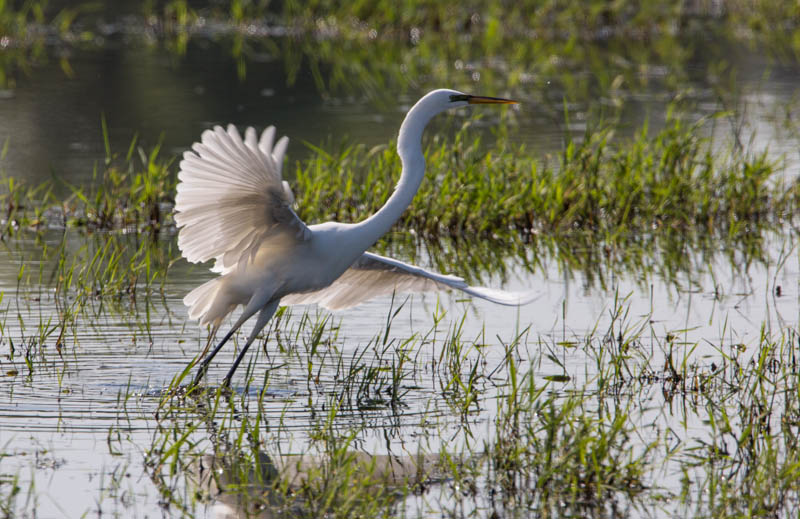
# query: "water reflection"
x,y
265,487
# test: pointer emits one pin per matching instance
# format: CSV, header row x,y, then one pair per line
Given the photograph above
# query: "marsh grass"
x,y
598,444
644,424
547,449
649,426
88,279
658,182
603,201
130,192
743,459
603,205
749,465
23,205
96,246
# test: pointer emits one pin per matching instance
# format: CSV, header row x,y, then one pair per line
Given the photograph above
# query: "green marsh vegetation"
x,y
602,197
599,438
618,412
94,247
604,201
602,207
625,440
528,50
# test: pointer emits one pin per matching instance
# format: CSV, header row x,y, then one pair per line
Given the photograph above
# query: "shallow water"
x,y
85,418
77,424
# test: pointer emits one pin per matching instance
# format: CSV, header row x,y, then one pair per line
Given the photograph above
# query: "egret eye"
x,y
459,97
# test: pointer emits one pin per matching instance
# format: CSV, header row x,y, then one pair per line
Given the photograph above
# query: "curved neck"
x,y
409,147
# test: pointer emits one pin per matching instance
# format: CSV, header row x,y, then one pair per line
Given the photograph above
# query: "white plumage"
x,y
233,206
231,197
372,275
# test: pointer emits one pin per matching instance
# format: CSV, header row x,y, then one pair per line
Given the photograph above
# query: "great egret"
x,y
233,206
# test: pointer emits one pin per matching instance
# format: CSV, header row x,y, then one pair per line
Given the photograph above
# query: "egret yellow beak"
x,y
481,100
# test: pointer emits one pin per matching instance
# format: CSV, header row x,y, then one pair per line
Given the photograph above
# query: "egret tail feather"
x,y
201,299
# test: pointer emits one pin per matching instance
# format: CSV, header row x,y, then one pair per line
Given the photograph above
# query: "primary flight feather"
x,y
234,207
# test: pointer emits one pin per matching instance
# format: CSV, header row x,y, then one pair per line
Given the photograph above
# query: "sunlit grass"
x,y
663,181
575,446
604,201
604,204
130,192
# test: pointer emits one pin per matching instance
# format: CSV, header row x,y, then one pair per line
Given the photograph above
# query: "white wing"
x,y
372,275
231,198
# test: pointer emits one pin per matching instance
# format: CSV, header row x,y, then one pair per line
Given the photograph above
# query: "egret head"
x,y
436,102
444,99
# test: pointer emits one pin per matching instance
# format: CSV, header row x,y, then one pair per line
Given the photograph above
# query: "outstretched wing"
x,y
231,198
372,275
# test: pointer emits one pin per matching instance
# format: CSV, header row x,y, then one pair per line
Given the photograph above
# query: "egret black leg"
x,y
263,317
201,371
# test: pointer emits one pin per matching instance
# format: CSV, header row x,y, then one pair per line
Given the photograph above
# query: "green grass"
x,y
547,449
95,245
632,407
600,445
663,181
750,465
604,204
130,192
603,201
602,439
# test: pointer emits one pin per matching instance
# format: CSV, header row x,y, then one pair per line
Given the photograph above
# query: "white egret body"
x,y
233,206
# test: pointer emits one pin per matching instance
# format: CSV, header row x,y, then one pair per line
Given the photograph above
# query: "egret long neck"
x,y
409,147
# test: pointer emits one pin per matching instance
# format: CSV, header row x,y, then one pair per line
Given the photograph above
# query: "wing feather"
x,y
267,138
372,275
279,151
231,197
